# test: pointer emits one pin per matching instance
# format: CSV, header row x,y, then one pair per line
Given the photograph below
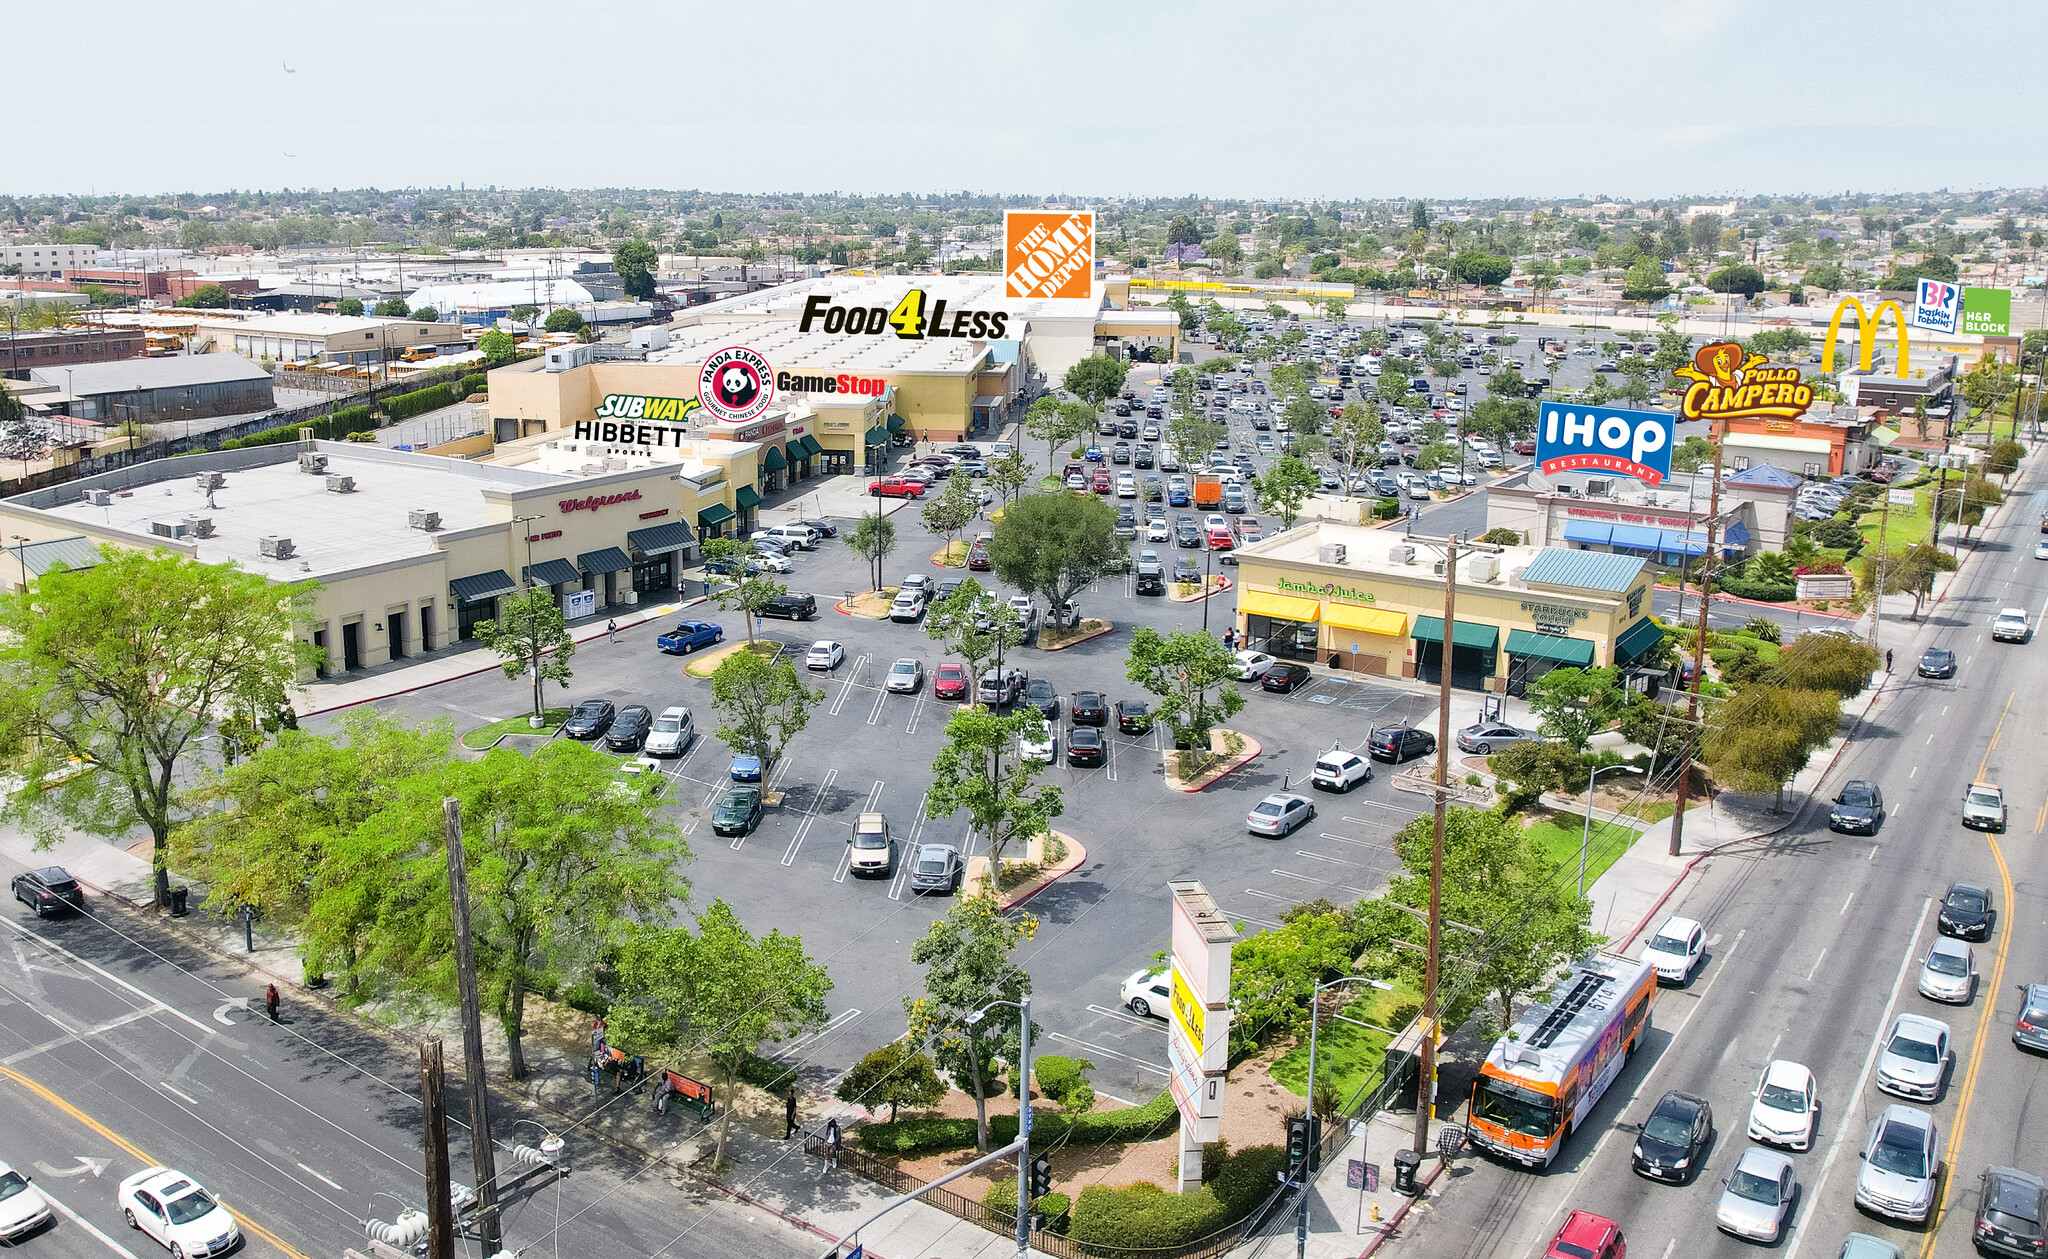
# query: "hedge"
x,y
432,398
1102,1127
475,382
335,427
1761,591
1001,1200
1144,1216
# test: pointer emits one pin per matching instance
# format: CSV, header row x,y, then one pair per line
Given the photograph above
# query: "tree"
x,y
954,509
980,771
563,319
1827,662
1181,669
634,262
1484,269
1355,432
1182,231
1224,247
498,347
1576,704
426,314
764,705
1705,233
1285,486
531,637
349,306
1966,502
10,406
1056,423
897,1074
1336,309
975,625
1644,282
968,968
1055,544
1692,454
1191,438
197,234
723,991
120,669
1096,379
1009,475
2003,459
391,308
741,591
1741,278
525,314
1824,275
872,537
1763,736
206,297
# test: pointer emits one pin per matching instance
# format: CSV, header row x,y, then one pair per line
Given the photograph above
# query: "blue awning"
x,y
1735,536
1588,531
1683,543
1638,538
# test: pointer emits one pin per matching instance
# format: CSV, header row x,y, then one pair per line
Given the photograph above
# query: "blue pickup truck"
x,y
688,636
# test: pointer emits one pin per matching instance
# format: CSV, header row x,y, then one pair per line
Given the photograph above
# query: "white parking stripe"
x,y
79,1220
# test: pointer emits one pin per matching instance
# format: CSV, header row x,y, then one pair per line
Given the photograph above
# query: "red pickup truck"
x,y
895,487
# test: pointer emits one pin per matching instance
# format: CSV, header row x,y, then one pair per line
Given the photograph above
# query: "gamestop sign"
x,y
1602,439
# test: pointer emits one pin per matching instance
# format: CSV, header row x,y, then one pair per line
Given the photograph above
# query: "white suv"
x,y
1340,771
2010,626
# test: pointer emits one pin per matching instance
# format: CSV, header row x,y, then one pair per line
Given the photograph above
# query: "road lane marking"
x,y
846,686
1863,1077
1816,965
85,1224
1844,909
1114,1053
1995,732
82,1033
175,1093
317,1176
796,841
110,978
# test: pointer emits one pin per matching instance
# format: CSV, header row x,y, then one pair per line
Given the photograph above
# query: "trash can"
x,y
179,896
1405,1163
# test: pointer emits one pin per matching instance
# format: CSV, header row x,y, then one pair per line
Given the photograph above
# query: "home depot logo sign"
x,y
1049,255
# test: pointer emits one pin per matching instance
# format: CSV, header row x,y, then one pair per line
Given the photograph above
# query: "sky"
x,y
1637,99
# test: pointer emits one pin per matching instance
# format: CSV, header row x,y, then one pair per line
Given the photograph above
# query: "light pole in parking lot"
x,y
1023,1007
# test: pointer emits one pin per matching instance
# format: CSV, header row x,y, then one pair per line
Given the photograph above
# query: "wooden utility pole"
x,y
1425,1084
1699,651
472,1038
434,1112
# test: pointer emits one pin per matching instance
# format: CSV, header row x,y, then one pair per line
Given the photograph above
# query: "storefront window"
x,y
655,573
468,614
1288,640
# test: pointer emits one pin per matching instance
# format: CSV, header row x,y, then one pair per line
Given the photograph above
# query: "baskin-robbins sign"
x,y
1937,306
1048,255
736,384
1328,589
1730,383
1604,439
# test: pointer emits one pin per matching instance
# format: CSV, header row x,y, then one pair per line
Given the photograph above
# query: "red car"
x,y
1587,1236
1525,447
977,558
949,681
1219,540
1100,481
895,487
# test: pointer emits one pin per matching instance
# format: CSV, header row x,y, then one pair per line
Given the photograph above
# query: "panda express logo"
x,y
914,318
1730,383
1048,255
736,385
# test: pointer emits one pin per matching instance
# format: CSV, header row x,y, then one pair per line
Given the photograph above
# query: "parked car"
x,y
1088,708
1399,743
1340,771
907,606
745,769
999,688
1279,814
172,1210
872,848
1785,1106
977,558
949,682
640,775
1675,949
630,728
673,733
937,868
1132,716
1038,743
1674,1138
1085,746
2012,1213
589,720
688,636
1039,694
791,605
801,537
1251,664
1283,676
1901,1163
905,676
738,812
824,654
1147,993
1483,737
49,890
896,487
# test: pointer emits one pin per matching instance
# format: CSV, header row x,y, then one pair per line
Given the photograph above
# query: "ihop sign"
x,y
1603,439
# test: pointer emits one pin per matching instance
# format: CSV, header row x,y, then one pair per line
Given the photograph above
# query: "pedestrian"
x,y
270,1000
597,1031
661,1092
1887,660
611,630
789,1113
831,1147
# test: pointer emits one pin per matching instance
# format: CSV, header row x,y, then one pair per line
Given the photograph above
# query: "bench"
x,y
692,1095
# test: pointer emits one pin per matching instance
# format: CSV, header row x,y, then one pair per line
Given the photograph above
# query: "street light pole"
x,y
1586,836
1023,1007
1315,1002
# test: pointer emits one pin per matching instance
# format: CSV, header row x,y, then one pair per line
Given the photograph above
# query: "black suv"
x,y
794,605
50,890
1399,743
2012,1210
1039,694
590,720
628,731
1089,709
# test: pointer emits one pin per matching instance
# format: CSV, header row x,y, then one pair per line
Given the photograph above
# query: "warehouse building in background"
x,y
160,390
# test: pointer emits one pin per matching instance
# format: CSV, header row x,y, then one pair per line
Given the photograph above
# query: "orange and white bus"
x,y
1542,1078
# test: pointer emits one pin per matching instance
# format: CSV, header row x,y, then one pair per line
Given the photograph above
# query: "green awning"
x,y
1553,647
609,560
713,516
895,422
553,573
773,461
1636,641
655,539
1430,629
747,497
878,437
482,586
811,447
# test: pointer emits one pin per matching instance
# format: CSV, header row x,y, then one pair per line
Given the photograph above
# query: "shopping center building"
x,y
1372,601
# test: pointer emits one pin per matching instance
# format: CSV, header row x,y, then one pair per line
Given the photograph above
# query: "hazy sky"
x,y
1631,98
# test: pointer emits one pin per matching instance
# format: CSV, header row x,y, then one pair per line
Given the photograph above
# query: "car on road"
x,y
908,605
1133,716
2030,1025
1339,771
1966,912
1088,708
1399,743
23,1209
1674,1139
2009,626
949,682
745,769
1085,746
1279,814
905,676
1038,693
175,1212
1038,742
589,720
1912,1058
1984,807
1757,1196
1584,1235
1676,949
1483,737
896,487
1859,809
936,868
688,636
1147,995
1900,1165
1283,676
629,730
738,812
672,734
50,890
1785,1108
824,654
1251,664
1949,972
2012,1213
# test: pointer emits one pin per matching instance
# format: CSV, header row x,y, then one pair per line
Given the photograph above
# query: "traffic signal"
x,y
1297,1146
1041,1177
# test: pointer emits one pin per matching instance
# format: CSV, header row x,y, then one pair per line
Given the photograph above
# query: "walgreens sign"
x,y
595,501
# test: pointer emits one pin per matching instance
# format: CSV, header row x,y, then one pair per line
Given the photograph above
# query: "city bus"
x,y
1545,1076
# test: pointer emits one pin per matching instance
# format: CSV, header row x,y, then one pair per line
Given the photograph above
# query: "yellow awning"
x,y
1371,620
1259,603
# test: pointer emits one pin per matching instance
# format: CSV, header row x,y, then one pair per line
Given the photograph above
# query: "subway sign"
x,y
1604,439
633,406
915,318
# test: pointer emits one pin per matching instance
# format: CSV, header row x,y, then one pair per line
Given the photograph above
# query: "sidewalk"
x,y
1346,1219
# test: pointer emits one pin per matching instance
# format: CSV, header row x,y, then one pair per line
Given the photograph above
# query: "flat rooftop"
x,y
1376,550
972,291
823,353
330,533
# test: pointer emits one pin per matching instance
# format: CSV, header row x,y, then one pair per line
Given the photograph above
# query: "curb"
x,y
1108,627
1226,586
1076,854
1401,1212
1254,749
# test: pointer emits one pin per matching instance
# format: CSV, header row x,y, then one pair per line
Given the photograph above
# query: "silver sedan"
x,y
1279,814
1757,1196
905,676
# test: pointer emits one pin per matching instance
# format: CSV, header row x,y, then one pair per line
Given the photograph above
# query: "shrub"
x,y
1501,537
432,398
1104,1127
1386,509
1763,627
1001,1200
1060,1079
1535,767
475,382
587,998
773,1076
1144,1216
1761,591
339,426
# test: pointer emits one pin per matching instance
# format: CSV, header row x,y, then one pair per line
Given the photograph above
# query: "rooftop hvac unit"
x,y
1330,553
212,480
169,528
1599,486
421,518
311,463
1484,567
341,485
1437,567
201,526
99,498
1401,553
272,547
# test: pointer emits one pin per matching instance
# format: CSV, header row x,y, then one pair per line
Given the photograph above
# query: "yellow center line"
x,y
1984,1022
135,1152
1998,730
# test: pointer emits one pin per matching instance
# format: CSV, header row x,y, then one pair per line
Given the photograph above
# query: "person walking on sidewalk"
x,y
831,1148
1887,660
270,1001
789,1113
611,630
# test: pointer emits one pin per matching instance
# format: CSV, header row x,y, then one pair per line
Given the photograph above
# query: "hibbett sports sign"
x,y
1049,255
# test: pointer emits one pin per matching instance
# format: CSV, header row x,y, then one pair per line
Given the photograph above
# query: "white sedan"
x,y
1146,994
770,562
1251,664
1158,531
824,654
1038,744
1786,1106
22,1209
175,1211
